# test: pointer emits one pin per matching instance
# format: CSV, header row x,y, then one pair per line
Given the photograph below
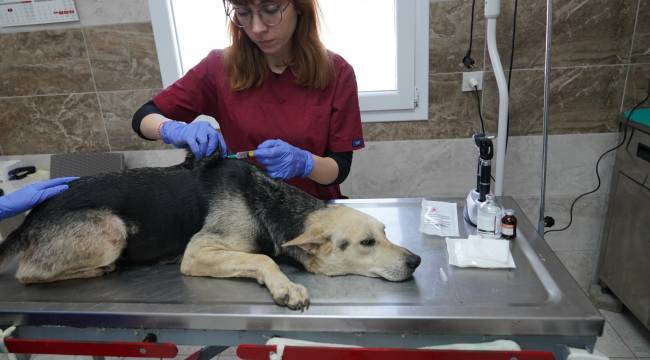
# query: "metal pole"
x,y
547,94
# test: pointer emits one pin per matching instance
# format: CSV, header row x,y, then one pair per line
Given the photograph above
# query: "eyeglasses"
x,y
270,14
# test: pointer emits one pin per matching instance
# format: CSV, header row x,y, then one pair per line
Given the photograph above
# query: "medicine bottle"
x,y
487,218
509,225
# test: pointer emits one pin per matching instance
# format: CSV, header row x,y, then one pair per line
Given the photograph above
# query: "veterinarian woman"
x,y
31,195
276,89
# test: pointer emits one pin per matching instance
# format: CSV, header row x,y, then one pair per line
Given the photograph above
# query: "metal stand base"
x,y
604,299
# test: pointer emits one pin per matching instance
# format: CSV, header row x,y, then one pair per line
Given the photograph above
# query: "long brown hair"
x,y
310,61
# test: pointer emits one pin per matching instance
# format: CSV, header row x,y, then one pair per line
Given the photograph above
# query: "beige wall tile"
x,y
449,26
525,105
118,108
583,100
412,168
51,124
587,225
586,100
641,47
452,114
595,33
637,85
44,62
123,57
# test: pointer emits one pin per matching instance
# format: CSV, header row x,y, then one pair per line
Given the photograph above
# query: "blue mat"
x,y
640,116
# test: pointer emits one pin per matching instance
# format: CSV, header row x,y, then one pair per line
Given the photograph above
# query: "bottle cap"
x,y
509,212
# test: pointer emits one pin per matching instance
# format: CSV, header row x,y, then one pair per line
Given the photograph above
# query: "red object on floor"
x,y
261,352
116,348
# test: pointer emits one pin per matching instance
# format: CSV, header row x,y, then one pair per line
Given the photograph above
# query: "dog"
x,y
226,218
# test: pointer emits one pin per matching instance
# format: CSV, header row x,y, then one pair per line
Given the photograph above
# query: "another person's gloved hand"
x,y
32,195
200,136
284,161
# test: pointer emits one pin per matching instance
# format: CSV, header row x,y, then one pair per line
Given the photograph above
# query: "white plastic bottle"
x,y
488,218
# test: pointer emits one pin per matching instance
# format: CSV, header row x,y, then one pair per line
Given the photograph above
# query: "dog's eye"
x,y
368,242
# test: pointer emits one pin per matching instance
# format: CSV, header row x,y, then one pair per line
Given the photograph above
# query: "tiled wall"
x,y
75,90
595,45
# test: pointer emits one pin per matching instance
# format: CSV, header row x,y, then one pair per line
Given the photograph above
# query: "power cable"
x,y
468,62
478,102
625,125
512,60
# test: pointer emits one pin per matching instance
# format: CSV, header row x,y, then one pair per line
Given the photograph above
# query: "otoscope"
x,y
483,176
484,167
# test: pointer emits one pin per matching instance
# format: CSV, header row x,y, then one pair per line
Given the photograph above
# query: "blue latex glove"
x,y
200,136
32,195
284,161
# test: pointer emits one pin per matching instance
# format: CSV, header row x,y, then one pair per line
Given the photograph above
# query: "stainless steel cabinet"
x,y
625,251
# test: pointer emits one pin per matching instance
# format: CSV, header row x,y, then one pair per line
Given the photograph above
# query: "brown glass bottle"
x,y
509,225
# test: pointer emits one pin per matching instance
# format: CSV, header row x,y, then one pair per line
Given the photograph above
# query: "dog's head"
x,y
341,240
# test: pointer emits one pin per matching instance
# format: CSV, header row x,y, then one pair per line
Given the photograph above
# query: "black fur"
x,y
164,207
280,209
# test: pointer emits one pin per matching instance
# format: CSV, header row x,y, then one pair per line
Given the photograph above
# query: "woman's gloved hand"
x,y
200,136
32,195
284,161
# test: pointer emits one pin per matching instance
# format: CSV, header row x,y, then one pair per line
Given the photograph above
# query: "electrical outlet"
x,y
472,78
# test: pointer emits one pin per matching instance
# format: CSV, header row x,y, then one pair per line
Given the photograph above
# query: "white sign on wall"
x,y
31,12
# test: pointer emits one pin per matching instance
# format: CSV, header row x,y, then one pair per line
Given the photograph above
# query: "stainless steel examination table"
x,y
537,304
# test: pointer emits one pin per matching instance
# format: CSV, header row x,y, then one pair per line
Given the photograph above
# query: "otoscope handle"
x,y
484,179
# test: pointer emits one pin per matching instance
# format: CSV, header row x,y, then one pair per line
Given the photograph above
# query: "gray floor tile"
x,y
635,336
612,345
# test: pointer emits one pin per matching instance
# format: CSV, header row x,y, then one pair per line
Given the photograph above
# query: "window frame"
x,y
409,102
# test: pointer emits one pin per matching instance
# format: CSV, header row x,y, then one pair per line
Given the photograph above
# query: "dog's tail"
x,y
13,244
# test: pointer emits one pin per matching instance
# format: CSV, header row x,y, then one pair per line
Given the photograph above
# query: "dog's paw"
x,y
292,295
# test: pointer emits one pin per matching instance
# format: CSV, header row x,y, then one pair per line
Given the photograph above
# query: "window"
x,y
385,41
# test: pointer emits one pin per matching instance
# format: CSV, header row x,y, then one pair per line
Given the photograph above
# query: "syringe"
x,y
241,155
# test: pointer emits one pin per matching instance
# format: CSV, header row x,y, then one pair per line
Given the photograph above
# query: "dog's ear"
x,y
311,241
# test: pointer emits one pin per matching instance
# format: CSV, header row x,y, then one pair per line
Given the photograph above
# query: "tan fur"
x,y
327,228
229,255
212,255
99,237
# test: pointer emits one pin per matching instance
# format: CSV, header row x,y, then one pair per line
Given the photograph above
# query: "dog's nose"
x,y
413,261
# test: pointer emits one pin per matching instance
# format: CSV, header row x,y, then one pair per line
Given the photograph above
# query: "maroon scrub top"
x,y
314,120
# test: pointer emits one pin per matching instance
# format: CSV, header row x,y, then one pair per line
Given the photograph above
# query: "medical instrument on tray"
x,y
484,142
483,171
488,218
509,225
241,155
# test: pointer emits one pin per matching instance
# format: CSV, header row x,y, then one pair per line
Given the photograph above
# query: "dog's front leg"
x,y
202,259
